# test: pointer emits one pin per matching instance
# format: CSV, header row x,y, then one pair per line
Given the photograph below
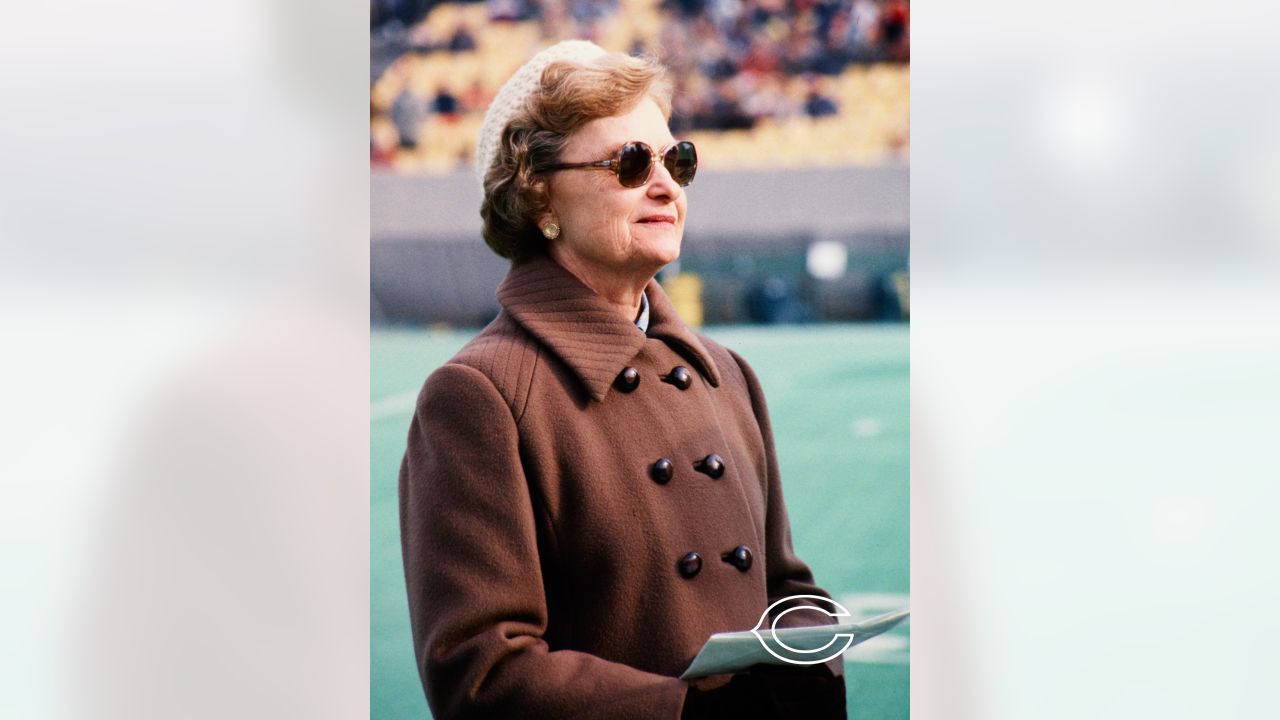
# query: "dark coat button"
x,y
739,557
690,565
712,465
679,376
627,380
661,471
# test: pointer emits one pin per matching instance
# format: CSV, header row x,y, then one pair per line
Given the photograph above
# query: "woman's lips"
x,y
658,220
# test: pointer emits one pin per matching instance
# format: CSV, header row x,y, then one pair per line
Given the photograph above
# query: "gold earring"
x,y
551,231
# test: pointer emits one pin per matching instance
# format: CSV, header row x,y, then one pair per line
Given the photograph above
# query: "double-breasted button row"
x,y
629,378
739,557
712,465
690,564
679,376
662,470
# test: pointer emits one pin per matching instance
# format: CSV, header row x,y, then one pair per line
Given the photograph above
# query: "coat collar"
x,y
585,331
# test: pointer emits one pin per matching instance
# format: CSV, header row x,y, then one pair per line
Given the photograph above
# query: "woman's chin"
x,y
660,249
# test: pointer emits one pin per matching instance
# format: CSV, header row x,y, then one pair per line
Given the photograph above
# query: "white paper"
x,y
734,651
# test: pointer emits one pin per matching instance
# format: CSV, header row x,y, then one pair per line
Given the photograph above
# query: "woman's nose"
x,y
661,184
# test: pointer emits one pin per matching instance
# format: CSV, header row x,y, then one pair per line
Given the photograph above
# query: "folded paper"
x,y
735,651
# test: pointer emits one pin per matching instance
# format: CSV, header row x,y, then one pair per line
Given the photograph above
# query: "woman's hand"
x,y
767,691
711,682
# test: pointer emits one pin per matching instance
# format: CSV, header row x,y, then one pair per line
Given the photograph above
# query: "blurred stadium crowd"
x,y
759,83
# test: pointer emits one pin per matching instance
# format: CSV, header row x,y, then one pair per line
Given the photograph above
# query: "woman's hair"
x,y
569,96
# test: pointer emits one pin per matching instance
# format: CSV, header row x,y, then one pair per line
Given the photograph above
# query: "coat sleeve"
x,y
786,573
476,597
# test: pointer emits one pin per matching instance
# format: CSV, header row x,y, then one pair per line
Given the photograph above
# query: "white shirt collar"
x,y
643,321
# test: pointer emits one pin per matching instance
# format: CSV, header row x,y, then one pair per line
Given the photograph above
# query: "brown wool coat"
x,y
541,556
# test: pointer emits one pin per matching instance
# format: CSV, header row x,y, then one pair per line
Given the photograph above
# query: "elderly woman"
x,y
590,489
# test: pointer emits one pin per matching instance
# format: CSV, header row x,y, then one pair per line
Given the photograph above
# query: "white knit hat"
x,y
516,91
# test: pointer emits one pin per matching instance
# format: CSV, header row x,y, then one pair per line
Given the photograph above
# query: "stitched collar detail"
x,y
581,328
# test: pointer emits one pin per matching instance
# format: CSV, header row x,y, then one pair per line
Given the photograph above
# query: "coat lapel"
x,y
665,323
584,331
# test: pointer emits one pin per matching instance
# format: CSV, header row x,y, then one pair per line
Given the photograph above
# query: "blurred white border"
x,y
184,305
1095,332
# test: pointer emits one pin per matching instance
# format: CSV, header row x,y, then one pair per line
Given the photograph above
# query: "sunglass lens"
x,y
634,165
682,162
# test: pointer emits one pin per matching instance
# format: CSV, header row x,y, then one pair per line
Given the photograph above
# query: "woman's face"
x,y
634,231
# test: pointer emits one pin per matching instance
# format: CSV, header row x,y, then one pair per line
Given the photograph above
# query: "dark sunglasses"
x,y
634,163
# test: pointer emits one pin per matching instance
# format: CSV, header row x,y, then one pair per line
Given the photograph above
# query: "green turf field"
x,y
838,397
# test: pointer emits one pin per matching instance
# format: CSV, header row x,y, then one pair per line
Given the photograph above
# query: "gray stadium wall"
x,y
746,232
